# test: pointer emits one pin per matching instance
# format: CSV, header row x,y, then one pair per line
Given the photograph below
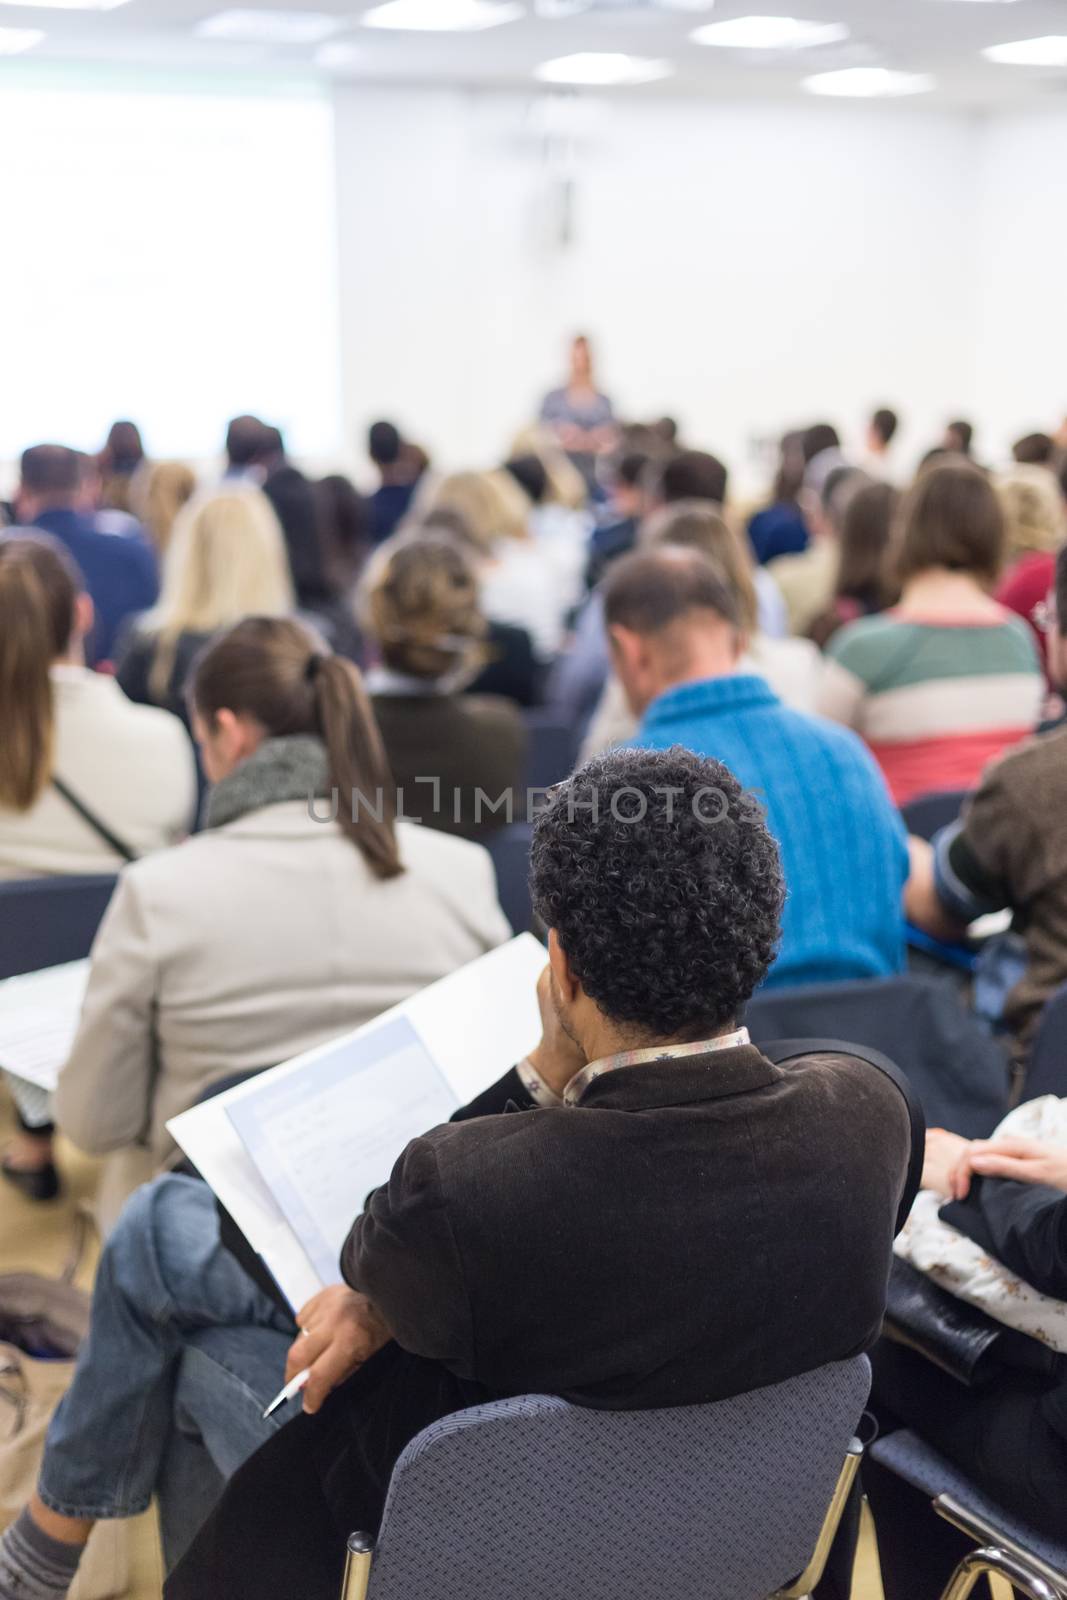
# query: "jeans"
x,y
183,1353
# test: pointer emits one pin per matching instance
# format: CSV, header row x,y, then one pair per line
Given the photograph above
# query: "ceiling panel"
x,y
940,37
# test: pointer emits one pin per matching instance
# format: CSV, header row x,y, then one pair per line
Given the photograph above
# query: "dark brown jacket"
x,y
690,1230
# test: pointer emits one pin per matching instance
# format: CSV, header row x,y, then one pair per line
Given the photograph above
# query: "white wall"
x,y
1020,329
742,266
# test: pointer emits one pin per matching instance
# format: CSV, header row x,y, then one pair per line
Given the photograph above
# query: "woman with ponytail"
x,y
301,911
78,762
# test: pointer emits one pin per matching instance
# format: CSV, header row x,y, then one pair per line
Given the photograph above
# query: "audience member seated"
x,y
948,678
862,587
615,534
226,560
119,462
696,475
452,755
344,530
1036,450
245,437
806,581
558,517
89,502
1009,850
518,585
511,668
279,926
1008,1436
398,480
676,635
644,1190
158,496
780,528
120,573
958,438
879,461
790,666
81,769
1036,519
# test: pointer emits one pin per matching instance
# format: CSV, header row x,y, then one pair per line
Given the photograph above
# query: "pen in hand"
x,y
290,1392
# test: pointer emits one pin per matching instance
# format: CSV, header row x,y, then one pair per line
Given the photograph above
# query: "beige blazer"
x,y
246,945
132,765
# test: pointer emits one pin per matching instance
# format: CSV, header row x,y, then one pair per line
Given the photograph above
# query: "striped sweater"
x,y
935,699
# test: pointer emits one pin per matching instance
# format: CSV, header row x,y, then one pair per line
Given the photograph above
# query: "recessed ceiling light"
x,y
271,27
868,82
602,68
443,16
1048,51
769,33
14,40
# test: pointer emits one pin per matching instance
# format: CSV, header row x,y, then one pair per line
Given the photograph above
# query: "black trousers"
x,y
281,1525
999,1436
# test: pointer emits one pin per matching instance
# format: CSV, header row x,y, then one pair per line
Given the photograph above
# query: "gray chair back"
x,y
1046,1071
510,850
47,921
958,1071
537,1497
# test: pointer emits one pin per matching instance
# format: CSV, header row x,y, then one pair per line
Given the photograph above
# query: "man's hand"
x,y
1022,1160
944,1153
341,1330
558,1057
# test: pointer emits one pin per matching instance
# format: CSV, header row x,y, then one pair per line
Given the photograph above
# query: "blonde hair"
x,y
1034,513
421,604
158,495
566,486
490,504
226,560
696,525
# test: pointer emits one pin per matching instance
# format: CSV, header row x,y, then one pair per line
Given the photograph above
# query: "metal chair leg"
x,y
999,1563
828,1532
357,1566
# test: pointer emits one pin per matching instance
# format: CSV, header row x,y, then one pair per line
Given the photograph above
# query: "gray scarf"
x,y
292,768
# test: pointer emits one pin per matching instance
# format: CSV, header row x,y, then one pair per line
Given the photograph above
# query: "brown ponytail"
x,y
277,671
38,591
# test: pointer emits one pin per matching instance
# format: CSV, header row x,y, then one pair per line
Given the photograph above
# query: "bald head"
x,y
672,617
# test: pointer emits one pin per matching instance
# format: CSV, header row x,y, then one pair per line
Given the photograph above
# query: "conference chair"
x,y
551,748
510,850
959,1071
1046,1071
46,921
1033,1563
737,1500
927,814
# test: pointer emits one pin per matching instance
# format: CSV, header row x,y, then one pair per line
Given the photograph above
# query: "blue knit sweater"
x,y
843,845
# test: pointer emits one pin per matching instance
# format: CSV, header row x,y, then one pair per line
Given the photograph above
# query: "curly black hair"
x,y
664,887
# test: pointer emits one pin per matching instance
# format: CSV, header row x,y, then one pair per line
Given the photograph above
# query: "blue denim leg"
x,y
227,1376
164,1276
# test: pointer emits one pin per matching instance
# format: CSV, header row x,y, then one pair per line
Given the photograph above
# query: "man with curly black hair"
x,y
659,878
647,1211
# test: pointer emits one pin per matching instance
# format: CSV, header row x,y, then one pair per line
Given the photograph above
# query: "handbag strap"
x,y
99,827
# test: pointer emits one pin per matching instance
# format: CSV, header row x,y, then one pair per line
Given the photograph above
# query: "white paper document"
x,y
378,1091
357,1102
38,1020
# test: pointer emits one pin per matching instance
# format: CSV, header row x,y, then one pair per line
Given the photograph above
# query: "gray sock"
x,y
33,1565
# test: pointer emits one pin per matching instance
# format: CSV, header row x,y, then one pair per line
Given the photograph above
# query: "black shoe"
x,y
36,1183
